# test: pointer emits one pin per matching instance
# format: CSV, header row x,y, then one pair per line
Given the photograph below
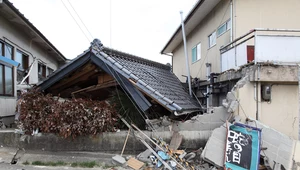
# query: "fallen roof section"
x,y
137,76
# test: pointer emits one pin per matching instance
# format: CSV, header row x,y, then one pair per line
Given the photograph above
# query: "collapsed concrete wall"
x,y
280,113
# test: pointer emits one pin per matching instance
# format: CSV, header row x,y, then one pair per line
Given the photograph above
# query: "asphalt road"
x,y
6,166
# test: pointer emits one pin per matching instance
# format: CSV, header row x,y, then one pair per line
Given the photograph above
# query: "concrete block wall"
x,y
215,148
210,121
280,147
105,142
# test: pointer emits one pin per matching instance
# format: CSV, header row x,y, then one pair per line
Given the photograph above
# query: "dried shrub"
x,y
74,117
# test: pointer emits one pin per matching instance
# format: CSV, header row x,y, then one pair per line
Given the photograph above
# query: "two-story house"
x,y
212,24
22,43
250,40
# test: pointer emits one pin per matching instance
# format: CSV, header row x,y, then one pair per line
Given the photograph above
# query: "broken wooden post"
x,y
125,142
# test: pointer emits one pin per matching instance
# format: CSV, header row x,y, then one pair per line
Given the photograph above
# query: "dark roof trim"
x,y
188,17
135,58
59,74
12,7
135,94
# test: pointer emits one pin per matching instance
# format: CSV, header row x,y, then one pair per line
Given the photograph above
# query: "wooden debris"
x,y
175,141
135,164
125,142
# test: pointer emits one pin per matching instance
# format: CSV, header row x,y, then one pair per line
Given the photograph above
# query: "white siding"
x,y
279,49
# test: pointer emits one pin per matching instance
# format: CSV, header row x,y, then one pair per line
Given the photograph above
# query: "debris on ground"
x,y
135,164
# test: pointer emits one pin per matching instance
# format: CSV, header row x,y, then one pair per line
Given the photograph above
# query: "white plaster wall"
x,y
23,43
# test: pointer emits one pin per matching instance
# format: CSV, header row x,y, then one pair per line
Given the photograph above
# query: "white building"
x,y
22,42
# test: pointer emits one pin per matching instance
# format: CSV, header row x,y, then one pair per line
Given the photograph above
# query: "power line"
x,y
81,20
75,21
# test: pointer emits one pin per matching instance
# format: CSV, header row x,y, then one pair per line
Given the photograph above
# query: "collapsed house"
x,y
100,70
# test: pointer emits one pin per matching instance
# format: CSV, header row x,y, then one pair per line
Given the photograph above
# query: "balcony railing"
x,y
276,46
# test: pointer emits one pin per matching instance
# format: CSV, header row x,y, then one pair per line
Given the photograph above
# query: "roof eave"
x,y
31,26
187,18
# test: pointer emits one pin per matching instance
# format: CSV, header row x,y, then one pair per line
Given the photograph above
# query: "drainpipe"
x,y
231,20
186,56
208,70
257,86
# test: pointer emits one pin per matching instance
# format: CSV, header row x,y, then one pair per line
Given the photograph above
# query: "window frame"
x,y
228,27
2,53
43,74
47,71
25,63
212,45
198,57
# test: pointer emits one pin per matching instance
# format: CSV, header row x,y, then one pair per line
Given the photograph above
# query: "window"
x,y
6,72
41,71
196,53
212,40
49,71
21,70
224,27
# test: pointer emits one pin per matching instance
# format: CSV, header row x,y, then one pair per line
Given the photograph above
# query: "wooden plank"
x,y
89,69
158,146
104,77
175,141
167,166
135,164
96,87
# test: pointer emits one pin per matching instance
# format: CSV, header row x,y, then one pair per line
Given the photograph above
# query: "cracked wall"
x,y
281,113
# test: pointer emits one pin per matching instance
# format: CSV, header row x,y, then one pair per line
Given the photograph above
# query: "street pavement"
x,y
7,155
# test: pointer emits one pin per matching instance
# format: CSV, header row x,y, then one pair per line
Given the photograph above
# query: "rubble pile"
x,y
234,145
72,117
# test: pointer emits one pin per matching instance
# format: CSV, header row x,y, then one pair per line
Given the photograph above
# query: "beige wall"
x,y
281,113
250,14
219,15
21,41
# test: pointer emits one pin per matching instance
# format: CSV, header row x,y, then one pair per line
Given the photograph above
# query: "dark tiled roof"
x,y
153,79
159,77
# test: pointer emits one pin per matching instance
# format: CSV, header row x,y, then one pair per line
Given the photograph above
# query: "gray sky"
x,y
137,27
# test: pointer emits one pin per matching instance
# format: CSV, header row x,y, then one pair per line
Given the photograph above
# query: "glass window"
x,y
19,59
222,29
1,79
41,71
21,70
1,52
6,73
8,51
22,59
212,39
8,81
228,23
49,71
196,53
